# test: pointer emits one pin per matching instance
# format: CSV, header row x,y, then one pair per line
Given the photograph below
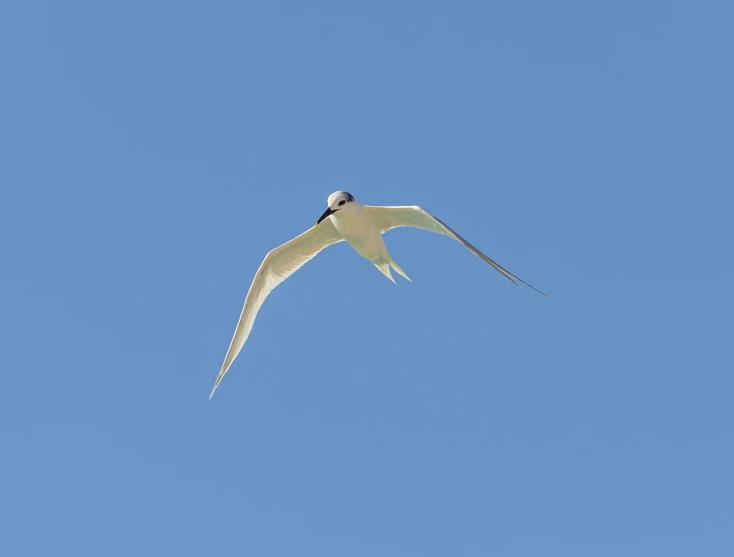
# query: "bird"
x,y
345,220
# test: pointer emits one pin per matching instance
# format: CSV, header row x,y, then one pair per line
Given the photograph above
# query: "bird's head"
x,y
338,201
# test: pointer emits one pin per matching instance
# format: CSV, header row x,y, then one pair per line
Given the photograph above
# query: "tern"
x,y
345,220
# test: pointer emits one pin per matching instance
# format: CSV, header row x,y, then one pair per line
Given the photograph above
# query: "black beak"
x,y
326,214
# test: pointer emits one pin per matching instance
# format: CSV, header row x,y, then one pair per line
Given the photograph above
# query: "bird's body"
x,y
360,228
345,219
356,227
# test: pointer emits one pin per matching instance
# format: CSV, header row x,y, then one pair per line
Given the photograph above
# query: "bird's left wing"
x,y
387,218
278,265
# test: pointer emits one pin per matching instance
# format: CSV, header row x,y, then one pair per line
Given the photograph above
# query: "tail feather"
x,y
385,270
399,270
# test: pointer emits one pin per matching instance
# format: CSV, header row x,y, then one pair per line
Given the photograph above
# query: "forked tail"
x,y
399,270
385,269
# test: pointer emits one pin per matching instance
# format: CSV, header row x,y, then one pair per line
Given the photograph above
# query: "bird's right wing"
x,y
278,265
387,218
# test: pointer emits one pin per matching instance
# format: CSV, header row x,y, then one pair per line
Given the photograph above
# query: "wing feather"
x,y
388,218
278,265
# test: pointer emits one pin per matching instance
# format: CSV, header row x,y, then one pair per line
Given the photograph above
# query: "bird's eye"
x,y
342,202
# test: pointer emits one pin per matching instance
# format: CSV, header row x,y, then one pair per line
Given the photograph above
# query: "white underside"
x,y
363,232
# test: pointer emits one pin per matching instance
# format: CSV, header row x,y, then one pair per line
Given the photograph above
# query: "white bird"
x,y
345,219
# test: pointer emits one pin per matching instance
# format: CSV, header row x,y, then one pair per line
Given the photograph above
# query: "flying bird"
x,y
345,220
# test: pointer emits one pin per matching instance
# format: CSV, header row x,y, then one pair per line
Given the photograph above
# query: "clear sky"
x,y
153,151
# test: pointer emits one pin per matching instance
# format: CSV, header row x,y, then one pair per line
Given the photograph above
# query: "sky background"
x,y
152,152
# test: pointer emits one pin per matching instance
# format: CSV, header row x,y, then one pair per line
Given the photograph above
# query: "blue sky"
x,y
154,151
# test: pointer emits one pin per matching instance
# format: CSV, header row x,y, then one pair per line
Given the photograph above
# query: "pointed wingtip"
x,y
533,288
538,291
222,373
216,384
529,286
